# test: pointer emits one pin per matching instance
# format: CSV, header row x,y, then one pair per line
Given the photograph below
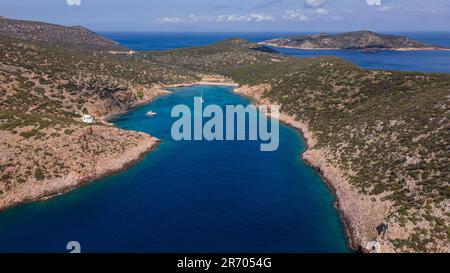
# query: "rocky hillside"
x,y
359,40
72,37
44,90
387,135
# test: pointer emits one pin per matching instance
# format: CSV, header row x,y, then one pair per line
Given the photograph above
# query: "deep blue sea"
x,y
224,196
424,61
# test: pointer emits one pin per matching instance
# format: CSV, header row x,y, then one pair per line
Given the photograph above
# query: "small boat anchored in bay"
x,y
150,114
201,97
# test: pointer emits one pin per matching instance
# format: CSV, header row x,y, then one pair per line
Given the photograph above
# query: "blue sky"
x,y
237,15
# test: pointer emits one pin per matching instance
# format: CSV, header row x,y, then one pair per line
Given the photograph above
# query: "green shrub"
x,y
38,174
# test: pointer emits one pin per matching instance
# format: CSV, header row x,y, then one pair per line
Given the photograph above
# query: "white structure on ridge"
x,y
87,119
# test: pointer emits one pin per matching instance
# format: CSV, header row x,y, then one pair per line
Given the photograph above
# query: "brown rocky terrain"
x,y
38,169
361,213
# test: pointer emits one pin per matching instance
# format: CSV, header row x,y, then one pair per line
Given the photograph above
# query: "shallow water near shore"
x,y
199,196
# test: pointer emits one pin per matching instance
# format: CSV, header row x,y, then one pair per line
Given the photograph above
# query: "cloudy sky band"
x,y
236,15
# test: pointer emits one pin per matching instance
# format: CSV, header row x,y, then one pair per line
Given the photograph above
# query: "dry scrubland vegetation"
x,y
45,87
388,131
44,90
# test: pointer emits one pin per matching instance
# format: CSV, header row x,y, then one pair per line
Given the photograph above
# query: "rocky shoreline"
x,y
201,83
93,168
138,145
359,213
315,158
50,188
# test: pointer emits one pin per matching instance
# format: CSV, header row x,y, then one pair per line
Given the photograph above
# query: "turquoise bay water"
x,y
189,196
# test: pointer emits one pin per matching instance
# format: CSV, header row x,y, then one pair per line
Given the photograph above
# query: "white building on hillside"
x,y
87,119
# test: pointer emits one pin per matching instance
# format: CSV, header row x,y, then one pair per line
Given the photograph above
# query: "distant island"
x,y
357,40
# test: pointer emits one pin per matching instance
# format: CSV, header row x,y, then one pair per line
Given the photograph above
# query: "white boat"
x,y
150,114
201,97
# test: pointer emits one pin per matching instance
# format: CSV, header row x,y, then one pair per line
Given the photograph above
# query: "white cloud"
x,y
73,2
178,20
289,15
252,17
196,19
305,15
374,2
295,15
384,8
321,12
228,18
168,20
314,3
260,17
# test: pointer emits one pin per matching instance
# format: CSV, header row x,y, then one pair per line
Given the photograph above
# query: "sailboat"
x,y
201,97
